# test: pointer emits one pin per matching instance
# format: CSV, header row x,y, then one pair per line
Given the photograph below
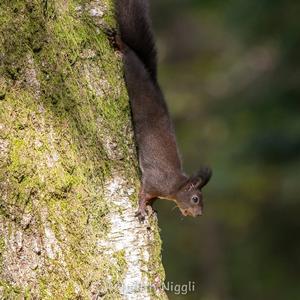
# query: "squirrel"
x,y
159,160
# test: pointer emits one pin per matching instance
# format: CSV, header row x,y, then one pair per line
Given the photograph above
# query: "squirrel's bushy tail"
x,y
135,30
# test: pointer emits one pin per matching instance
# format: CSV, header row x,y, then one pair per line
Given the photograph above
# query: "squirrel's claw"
x,y
141,214
114,38
109,31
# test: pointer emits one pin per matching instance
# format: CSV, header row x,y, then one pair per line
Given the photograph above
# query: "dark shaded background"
x,y
230,73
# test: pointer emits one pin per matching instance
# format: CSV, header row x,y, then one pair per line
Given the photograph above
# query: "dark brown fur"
x,y
162,174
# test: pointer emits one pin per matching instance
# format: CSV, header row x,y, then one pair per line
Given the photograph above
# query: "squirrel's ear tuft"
x,y
201,178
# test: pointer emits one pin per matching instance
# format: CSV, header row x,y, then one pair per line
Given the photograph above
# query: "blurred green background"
x,y
230,73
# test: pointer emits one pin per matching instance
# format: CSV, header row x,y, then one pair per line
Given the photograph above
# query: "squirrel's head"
x,y
189,196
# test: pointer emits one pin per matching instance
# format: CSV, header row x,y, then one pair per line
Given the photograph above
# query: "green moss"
x,y
22,26
8,291
119,256
58,161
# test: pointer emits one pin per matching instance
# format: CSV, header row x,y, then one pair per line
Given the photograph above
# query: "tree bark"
x,y
68,168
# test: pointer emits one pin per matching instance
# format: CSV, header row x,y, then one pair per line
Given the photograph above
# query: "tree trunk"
x,y
68,168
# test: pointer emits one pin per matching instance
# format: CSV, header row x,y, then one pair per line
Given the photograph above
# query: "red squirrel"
x,y
159,161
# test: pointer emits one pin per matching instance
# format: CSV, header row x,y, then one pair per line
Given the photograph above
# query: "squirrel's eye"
x,y
195,199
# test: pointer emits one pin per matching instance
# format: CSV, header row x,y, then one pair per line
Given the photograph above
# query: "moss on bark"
x,y
65,137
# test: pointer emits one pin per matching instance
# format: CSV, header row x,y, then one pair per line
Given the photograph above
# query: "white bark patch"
x,y
52,159
128,235
18,258
31,77
94,79
3,149
50,242
88,54
96,12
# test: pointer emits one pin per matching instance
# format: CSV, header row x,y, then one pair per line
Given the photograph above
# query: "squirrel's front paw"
x,y
141,213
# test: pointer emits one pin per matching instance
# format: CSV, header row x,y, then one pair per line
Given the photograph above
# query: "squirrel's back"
x,y
135,31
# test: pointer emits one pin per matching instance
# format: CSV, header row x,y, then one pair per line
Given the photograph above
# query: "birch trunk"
x,y
68,168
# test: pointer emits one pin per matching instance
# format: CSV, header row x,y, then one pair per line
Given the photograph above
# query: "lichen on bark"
x,y
68,169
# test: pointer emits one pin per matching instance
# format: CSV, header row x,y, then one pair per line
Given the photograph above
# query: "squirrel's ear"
x,y
202,177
